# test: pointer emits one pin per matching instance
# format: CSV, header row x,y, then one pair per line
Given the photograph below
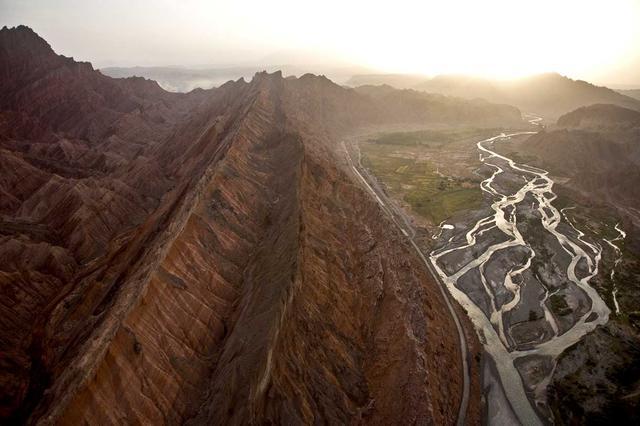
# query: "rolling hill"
x,y
550,95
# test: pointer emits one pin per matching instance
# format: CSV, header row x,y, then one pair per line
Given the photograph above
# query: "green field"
x,y
430,137
393,159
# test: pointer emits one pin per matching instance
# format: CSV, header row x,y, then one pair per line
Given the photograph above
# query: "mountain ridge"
x,y
550,95
148,236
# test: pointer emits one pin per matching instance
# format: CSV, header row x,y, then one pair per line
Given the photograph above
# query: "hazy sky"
x,y
594,40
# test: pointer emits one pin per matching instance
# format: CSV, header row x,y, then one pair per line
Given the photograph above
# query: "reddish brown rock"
x,y
208,257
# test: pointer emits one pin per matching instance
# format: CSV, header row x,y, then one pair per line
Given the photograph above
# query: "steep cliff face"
x,y
203,258
282,298
73,147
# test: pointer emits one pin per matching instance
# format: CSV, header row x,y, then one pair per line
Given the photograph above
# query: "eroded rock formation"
x,y
207,257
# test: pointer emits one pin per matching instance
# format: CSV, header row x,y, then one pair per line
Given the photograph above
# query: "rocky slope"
x,y
208,257
632,93
596,149
594,154
589,390
605,117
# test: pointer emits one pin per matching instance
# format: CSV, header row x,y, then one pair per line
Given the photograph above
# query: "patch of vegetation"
x,y
444,203
428,169
562,201
392,171
414,138
429,137
597,221
430,194
559,304
520,158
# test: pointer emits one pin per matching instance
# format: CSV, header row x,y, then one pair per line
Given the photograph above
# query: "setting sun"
x,y
493,38
500,38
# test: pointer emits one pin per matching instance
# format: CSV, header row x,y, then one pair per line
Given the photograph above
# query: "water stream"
x,y
621,236
498,342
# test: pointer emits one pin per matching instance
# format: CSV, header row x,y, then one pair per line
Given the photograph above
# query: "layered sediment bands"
x,y
68,135
354,323
166,348
284,299
32,274
204,257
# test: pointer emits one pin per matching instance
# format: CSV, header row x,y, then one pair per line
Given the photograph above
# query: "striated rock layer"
x,y
208,257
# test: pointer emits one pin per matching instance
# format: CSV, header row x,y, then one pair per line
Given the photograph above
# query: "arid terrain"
x,y
287,250
544,256
209,257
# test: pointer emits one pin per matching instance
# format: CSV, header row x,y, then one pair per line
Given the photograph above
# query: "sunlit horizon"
x,y
495,39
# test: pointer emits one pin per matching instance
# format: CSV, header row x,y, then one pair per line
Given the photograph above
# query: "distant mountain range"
x,y
632,93
549,95
185,79
398,81
179,79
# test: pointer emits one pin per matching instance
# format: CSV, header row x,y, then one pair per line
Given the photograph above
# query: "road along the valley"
x,y
523,228
400,219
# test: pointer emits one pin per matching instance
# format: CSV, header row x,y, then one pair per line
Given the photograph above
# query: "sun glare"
x,y
495,38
